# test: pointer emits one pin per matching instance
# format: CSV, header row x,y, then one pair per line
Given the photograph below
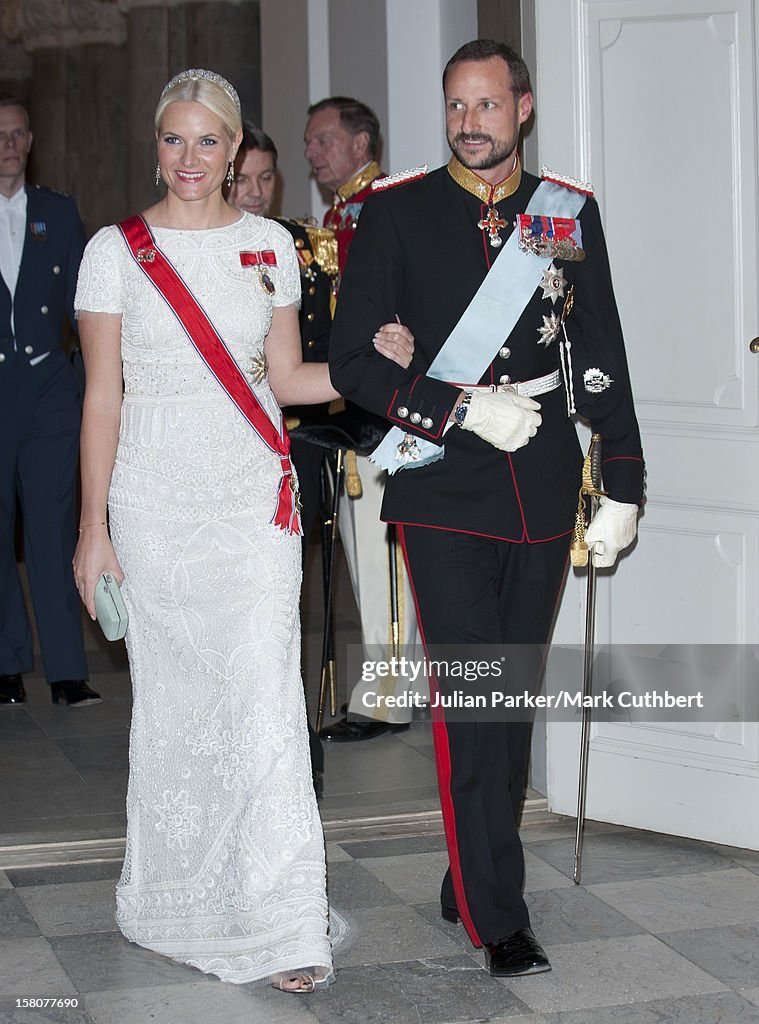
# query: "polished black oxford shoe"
x,y
12,689
349,732
74,692
520,953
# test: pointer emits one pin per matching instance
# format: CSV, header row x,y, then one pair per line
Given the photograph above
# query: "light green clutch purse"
x,y
110,608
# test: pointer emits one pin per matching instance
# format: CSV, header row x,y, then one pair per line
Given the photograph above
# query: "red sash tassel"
x,y
215,354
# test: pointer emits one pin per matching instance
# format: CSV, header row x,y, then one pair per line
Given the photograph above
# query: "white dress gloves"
x,y
611,530
503,418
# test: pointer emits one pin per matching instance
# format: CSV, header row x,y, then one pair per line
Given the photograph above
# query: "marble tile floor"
x,y
676,943
662,931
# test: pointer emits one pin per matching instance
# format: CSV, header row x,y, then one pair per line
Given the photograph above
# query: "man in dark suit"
x,y
504,281
41,245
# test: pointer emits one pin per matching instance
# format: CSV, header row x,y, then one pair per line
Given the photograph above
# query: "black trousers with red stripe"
x,y
473,590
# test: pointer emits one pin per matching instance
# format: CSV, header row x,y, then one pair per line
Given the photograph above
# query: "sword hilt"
x,y
590,488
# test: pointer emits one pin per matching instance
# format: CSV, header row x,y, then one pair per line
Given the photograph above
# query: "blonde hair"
x,y
196,86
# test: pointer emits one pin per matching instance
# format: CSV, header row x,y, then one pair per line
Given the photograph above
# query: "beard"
x,y
500,150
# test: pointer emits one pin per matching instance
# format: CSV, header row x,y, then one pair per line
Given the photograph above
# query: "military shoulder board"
x,y
562,179
399,178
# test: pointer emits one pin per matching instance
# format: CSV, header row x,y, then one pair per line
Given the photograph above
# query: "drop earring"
x,y
157,175
230,174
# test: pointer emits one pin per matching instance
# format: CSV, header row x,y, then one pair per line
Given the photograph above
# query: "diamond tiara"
x,y
194,74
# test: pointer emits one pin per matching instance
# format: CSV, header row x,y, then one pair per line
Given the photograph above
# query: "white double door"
x,y
655,103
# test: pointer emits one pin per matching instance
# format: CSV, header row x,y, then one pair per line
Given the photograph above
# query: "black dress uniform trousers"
x,y
472,590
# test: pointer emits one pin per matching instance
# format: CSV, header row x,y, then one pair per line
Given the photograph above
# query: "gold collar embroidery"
x,y
472,182
358,182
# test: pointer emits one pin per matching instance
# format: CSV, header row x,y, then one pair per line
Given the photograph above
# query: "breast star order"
x,y
553,283
549,330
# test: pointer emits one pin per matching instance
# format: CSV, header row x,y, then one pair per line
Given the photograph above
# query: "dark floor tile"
x,y
97,753
428,991
722,1008
107,961
11,1014
730,953
63,827
15,919
629,855
352,887
434,843
58,874
62,792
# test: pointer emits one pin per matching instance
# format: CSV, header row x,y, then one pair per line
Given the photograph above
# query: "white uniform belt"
x,y
527,388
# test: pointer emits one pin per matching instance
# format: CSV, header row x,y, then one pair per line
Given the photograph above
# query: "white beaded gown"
x,y
224,866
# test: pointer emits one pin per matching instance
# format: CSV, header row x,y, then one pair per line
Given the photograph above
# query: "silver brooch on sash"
x,y
553,283
549,330
596,380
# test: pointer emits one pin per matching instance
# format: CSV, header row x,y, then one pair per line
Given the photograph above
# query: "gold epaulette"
x,y
324,247
357,183
563,179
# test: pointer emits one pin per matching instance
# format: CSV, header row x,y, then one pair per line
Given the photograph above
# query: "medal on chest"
x,y
261,260
492,223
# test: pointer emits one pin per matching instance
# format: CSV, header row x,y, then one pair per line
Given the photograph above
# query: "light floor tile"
x,y
675,903
218,1003
74,908
416,878
539,875
389,934
30,968
336,854
609,971
752,994
719,1008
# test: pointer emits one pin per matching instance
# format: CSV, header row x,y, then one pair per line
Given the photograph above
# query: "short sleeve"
x,y
288,275
100,288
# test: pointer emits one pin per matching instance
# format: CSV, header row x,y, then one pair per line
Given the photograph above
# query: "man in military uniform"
x,y
504,281
41,245
342,144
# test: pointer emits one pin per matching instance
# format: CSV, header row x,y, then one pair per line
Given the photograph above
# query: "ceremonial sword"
x,y
580,556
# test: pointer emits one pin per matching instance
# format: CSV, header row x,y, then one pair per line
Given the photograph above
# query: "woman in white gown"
x,y
224,866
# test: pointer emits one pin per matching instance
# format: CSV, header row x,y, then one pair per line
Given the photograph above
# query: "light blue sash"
x,y
488,320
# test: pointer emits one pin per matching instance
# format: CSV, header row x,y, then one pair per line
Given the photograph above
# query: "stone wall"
x,y
92,73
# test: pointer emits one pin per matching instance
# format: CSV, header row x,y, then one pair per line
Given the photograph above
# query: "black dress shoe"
x,y
12,690
349,732
520,953
74,692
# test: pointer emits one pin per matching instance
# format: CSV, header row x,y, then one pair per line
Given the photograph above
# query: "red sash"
x,y
217,357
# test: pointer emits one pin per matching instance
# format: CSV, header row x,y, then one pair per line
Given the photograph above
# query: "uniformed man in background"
x,y
342,139
41,245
